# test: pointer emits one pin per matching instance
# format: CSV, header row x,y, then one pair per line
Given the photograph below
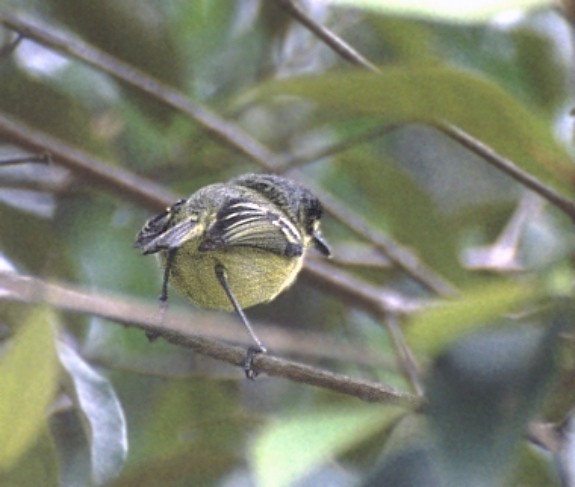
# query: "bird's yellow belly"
x,y
254,276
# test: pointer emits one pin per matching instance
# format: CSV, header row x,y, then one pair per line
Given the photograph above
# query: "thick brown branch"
x,y
129,313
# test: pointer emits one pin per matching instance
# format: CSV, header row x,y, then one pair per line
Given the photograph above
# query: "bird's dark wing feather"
x,y
241,223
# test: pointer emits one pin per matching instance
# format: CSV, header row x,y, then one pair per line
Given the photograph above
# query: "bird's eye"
x,y
312,214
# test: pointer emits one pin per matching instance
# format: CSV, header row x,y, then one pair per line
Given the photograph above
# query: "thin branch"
x,y
402,257
502,255
37,159
510,168
406,358
30,290
377,301
292,162
98,171
336,43
218,326
11,46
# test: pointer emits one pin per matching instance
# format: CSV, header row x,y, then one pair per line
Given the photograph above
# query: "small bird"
x,y
233,245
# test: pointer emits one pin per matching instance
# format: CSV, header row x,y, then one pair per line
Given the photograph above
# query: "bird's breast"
x,y
254,275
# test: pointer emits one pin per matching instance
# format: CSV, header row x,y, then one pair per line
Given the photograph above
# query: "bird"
x,y
232,245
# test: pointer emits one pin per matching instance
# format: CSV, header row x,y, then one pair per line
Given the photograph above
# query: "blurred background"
x,y
450,281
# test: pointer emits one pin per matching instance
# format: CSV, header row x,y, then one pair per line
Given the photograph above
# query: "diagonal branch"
x,y
507,166
135,188
337,44
10,46
402,257
292,161
30,290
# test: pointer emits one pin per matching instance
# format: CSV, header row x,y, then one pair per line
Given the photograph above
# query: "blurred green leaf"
x,y
102,413
428,94
536,468
434,328
135,31
175,468
544,82
408,468
41,105
446,10
405,39
482,393
19,232
409,214
38,466
278,452
28,380
180,406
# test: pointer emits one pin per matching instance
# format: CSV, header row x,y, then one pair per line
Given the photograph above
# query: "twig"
x,y
510,168
32,290
341,47
292,162
37,159
406,359
137,189
502,255
10,46
403,258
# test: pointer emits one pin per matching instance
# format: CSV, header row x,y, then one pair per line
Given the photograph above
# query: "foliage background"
x,y
450,282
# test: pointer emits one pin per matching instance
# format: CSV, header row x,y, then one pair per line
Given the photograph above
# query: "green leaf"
x,y
28,379
428,94
102,414
482,393
445,10
286,451
436,327
38,465
410,213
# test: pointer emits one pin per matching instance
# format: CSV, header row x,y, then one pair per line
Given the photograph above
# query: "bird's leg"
x,y
163,297
253,350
